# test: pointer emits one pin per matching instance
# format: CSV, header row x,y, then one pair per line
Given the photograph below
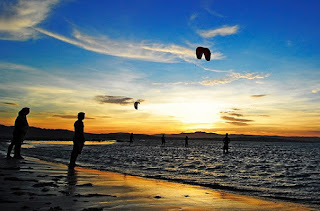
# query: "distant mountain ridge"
x,y
35,133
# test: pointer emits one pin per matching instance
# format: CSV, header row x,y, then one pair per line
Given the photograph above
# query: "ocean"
x,y
287,171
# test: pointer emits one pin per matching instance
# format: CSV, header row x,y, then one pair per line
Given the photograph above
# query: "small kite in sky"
x,y
205,51
136,105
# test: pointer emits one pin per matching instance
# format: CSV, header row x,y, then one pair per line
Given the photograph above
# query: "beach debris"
x,y
136,105
205,51
157,197
186,195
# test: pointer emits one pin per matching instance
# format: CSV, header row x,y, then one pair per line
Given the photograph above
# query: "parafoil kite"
x,y
136,105
205,51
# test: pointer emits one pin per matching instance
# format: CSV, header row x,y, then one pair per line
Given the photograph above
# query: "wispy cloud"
x,y
223,31
235,119
65,116
6,112
9,103
68,116
141,50
238,123
233,77
193,16
258,96
12,66
315,91
230,78
231,113
121,100
214,13
18,17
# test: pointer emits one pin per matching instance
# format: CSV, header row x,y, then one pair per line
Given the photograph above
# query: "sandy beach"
x,y
33,184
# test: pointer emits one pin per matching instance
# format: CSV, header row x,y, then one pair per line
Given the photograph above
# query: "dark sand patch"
x,y
85,185
93,195
45,184
19,179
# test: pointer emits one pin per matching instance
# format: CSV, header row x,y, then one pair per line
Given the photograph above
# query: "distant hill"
x,y
35,133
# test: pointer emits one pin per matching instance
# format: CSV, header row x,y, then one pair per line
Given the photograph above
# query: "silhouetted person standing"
x,y
78,140
163,140
226,142
186,141
131,139
21,127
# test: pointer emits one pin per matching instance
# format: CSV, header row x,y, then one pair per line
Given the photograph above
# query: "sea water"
x,y
281,170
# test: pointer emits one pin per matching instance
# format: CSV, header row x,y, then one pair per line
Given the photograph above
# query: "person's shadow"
x,y
72,180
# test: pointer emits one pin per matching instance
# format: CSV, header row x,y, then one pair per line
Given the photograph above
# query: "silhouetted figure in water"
x,y
131,139
78,140
226,142
21,127
163,140
186,141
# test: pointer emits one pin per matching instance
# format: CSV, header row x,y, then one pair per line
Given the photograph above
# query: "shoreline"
x,y
36,184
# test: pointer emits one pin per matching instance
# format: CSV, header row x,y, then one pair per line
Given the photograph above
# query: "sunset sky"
x,y
99,57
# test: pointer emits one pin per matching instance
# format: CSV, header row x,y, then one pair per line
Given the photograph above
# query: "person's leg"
x,y
10,149
73,158
17,150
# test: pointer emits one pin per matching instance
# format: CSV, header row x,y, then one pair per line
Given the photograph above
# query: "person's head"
x,y
226,134
24,112
81,115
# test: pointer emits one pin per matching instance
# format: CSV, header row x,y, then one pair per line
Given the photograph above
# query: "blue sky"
x,y
61,57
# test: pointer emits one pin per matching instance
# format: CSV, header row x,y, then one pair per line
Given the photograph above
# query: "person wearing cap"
x,y
20,130
78,140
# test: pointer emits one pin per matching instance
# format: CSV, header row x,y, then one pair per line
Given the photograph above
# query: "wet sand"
x,y
32,184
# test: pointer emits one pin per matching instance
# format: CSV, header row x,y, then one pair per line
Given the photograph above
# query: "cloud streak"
x,y
258,96
228,118
223,31
233,77
232,117
121,100
142,51
18,18
67,116
230,78
9,103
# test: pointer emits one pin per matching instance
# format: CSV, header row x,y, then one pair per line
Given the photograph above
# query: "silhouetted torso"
x,y
78,131
21,127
